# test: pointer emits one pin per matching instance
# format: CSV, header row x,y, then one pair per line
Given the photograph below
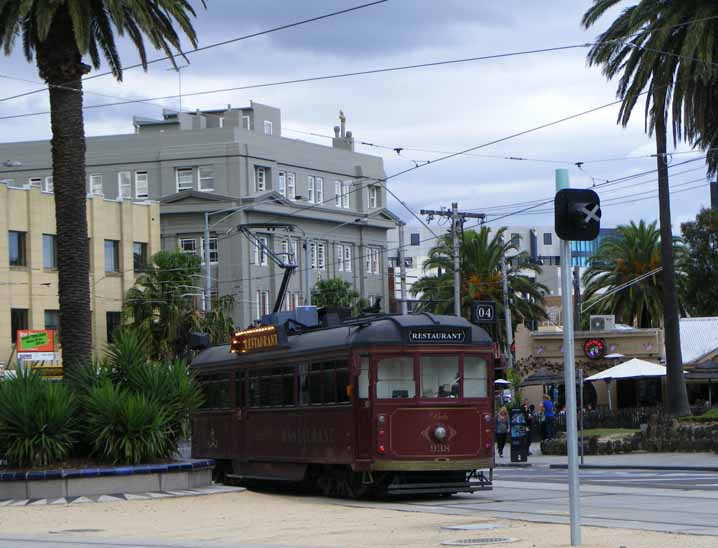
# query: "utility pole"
x,y
207,300
402,268
714,195
457,219
507,314
569,372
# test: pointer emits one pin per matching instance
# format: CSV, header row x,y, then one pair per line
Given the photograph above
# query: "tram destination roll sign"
x,y
446,335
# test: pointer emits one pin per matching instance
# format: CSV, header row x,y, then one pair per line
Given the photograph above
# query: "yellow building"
x,y
123,236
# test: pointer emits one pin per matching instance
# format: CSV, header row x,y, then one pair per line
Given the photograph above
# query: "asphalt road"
x,y
677,502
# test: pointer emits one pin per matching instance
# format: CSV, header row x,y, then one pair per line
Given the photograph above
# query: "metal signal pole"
x,y
507,314
457,219
569,371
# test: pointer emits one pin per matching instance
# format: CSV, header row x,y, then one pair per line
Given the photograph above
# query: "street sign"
x,y
36,356
35,340
483,312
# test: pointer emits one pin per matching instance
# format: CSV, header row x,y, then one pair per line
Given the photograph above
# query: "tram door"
x,y
363,409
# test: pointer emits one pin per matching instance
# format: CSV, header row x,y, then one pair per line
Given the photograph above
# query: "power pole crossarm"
x,y
457,219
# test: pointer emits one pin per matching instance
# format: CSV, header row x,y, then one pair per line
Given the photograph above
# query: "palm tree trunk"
x,y
60,65
677,404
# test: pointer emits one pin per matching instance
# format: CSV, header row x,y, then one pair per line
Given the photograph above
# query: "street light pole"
x,y
402,268
207,300
507,314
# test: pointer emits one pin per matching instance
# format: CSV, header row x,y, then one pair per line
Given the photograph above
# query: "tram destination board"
x,y
444,335
258,339
483,312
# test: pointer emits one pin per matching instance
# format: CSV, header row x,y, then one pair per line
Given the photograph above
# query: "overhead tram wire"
x,y
314,79
216,44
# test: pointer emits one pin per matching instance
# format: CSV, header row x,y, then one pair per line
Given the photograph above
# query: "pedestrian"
x,y
501,430
548,416
528,411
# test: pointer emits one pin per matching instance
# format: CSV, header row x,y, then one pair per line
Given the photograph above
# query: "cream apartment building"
x,y
123,236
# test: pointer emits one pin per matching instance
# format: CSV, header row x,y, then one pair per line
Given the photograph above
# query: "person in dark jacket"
x,y
501,430
528,411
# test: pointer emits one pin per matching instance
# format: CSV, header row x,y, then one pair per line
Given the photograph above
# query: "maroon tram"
x,y
383,405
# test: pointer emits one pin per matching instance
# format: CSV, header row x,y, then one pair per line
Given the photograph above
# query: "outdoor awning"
x,y
705,372
632,369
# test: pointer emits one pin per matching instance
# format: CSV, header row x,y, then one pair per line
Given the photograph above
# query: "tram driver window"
x,y
440,377
364,378
395,378
475,378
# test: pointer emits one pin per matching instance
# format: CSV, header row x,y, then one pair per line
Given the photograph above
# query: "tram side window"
x,y
364,378
440,377
324,383
475,377
271,387
239,386
216,391
395,378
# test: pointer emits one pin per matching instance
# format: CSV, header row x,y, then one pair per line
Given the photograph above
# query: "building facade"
x,y
123,235
235,160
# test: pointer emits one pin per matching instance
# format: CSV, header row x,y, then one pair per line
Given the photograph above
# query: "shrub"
x,y
124,427
37,420
128,351
171,385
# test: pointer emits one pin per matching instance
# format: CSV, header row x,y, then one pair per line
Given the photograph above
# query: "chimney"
x,y
343,138
714,196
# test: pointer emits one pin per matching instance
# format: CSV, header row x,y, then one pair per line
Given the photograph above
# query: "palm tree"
x,y
58,34
644,46
635,251
481,253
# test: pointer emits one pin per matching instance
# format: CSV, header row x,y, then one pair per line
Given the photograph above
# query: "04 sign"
x,y
483,312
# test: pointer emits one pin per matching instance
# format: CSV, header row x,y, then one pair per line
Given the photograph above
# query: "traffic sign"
x,y
483,312
577,214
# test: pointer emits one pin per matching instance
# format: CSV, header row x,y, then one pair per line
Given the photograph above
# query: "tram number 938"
x,y
439,448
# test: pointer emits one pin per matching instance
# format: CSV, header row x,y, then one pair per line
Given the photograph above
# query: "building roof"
x,y
699,336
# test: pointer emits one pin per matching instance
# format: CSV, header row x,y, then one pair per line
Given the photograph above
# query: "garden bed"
x,y
105,480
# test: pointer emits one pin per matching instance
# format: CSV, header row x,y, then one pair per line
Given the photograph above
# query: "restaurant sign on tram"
x,y
438,336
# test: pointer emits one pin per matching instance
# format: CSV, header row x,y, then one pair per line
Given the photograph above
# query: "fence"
x,y
630,417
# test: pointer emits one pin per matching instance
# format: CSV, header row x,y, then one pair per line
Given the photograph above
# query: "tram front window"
x,y
395,378
475,378
440,377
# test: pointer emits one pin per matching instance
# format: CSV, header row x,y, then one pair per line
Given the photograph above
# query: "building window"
x,y
547,237
291,186
282,183
347,258
310,189
245,122
221,121
372,260
267,127
139,256
49,251
213,252
415,238
124,185
17,248
338,193
205,181
112,256
142,185
18,321
48,185
260,253
260,179
35,182
339,251
346,189
373,197
188,246
321,263
262,303
96,184
52,321
319,190
10,183
184,177
114,320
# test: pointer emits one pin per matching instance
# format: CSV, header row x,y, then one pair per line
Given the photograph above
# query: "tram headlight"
x,y
440,433
487,419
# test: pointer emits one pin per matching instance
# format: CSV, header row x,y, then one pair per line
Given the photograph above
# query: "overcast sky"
x,y
447,108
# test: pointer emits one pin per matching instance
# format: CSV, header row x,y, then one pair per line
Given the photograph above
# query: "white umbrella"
x,y
632,369
614,356
501,381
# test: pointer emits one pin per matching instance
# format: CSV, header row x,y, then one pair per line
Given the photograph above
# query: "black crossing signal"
x,y
577,214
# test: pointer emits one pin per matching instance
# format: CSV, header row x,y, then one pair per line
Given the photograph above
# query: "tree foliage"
x,y
162,305
480,260
700,264
334,292
634,252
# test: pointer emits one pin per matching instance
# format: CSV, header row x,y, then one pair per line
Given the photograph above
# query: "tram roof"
x,y
388,330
